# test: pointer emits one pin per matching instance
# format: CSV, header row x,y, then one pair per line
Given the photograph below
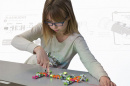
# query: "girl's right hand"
x,y
42,57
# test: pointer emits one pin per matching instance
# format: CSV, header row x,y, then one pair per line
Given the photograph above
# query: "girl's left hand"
x,y
105,81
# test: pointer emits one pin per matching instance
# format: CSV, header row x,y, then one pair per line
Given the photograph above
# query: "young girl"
x,y
61,39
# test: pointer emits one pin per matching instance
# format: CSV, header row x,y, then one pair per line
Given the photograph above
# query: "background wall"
x,y
110,45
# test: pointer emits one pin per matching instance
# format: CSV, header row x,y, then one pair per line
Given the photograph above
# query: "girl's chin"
x,y
56,30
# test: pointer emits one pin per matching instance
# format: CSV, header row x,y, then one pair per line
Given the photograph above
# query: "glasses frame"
x,y
56,22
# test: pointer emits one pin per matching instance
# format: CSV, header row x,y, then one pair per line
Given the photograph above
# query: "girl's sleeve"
x,y
91,64
25,40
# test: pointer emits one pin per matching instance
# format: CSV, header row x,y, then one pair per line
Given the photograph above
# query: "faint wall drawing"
x,y
12,25
121,28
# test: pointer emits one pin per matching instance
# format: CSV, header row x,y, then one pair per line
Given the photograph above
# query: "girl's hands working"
x,y
42,57
105,81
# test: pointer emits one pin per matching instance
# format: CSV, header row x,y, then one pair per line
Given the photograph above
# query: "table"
x,y
22,74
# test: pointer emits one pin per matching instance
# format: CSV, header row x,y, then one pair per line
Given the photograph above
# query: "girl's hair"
x,y
58,10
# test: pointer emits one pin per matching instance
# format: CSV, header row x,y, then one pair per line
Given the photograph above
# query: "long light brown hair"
x,y
58,10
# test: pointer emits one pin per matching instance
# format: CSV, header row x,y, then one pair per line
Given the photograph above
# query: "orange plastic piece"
x,y
77,78
54,76
40,73
57,76
44,73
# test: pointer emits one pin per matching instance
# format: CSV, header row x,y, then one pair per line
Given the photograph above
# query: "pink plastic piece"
x,y
35,77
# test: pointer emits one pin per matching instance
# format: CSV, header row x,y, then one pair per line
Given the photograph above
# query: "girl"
x,y
60,38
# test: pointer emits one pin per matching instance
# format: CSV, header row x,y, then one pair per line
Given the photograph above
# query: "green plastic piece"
x,y
86,80
65,73
65,83
50,71
51,75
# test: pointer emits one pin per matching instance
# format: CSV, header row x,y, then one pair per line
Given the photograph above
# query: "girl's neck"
x,y
61,35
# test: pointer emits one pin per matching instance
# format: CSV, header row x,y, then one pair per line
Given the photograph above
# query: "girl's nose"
x,y
53,26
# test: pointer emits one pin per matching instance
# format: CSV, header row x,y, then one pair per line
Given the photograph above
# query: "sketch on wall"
x,y
121,28
12,25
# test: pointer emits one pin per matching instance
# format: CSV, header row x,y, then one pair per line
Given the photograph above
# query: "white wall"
x,y
95,18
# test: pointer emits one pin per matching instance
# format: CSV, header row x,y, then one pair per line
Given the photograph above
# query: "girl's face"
x,y
58,28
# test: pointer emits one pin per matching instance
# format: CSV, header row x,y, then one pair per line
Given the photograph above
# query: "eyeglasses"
x,y
57,23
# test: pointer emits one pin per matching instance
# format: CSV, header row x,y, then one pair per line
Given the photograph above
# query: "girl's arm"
x,y
25,40
91,64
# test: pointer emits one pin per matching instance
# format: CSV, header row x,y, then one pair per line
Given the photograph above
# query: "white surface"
x,y
95,19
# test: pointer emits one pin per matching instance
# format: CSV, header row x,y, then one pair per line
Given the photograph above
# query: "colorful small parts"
x,y
67,79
